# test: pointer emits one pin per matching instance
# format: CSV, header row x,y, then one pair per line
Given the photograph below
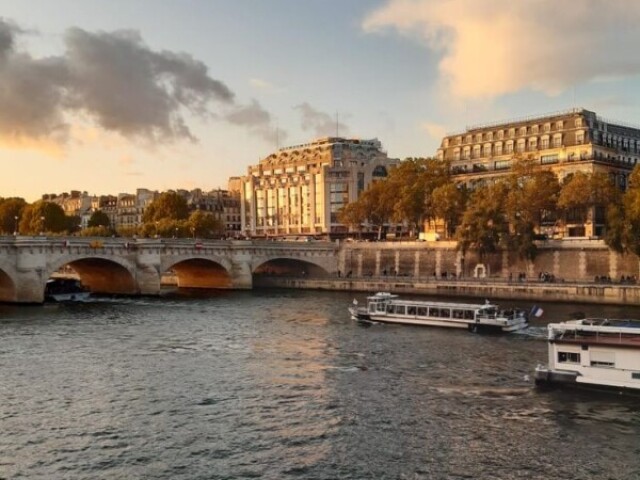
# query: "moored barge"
x,y
593,352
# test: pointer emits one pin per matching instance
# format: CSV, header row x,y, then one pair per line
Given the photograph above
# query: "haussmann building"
x,y
575,140
299,190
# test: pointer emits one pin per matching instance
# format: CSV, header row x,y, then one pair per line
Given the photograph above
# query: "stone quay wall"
x,y
562,260
569,270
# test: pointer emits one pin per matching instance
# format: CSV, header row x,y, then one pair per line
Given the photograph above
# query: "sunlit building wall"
x,y
302,188
565,142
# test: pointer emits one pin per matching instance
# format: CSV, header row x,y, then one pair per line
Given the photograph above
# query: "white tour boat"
x,y
65,290
387,308
593,352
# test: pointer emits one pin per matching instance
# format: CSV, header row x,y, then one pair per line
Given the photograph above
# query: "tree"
x,y
484,222
448,203
576,195
41,216
530,192
205,225
10,208
168,206
99,219
353,215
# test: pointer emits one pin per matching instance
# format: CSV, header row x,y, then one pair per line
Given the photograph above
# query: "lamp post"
x,y
176,233
42,225
15,230
157,229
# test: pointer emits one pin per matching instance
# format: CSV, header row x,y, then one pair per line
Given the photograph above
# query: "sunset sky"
x,y
107,96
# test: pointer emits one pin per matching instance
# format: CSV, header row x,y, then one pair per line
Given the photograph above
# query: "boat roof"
x,y
426,303
630,326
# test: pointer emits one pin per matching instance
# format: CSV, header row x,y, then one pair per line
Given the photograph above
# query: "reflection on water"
x,y
281,384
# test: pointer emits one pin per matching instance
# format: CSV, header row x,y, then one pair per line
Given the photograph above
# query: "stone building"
x,y
564,142
300,189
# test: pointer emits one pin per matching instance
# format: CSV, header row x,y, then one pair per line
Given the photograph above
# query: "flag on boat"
x,y
536,311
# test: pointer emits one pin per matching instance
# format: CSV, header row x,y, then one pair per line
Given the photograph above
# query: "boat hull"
x,y
549,378
68,297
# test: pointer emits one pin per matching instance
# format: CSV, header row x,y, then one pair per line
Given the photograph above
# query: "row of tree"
x,y
507,214
167,216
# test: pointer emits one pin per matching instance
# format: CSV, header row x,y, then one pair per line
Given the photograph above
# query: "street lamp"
x,y
176,234
157,229
42,225
15,230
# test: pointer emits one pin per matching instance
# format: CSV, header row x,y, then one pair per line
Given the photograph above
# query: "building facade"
x,y
300,189
575,140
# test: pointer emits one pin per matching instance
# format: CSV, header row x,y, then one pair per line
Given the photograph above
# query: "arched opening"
x,y
197,273
7,288
287,268
99,275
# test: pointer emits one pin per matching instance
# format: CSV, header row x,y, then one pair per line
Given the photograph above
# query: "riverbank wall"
x,y
534,292
579,260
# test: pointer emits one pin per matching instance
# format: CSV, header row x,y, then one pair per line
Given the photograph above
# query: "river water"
x,y
283,385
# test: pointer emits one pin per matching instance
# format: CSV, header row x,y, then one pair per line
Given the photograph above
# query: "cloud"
x,y
434,130
256,119
320,123
114,80
491,48
263,85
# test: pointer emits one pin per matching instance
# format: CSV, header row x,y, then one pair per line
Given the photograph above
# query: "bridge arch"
x,y
8,292
290,266
199,272
100,274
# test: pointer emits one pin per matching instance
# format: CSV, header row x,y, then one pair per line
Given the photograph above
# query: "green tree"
x,y
41,217
10,212
448,203
96,231
530,192
484,222
625,233
205,225
168,206
99,219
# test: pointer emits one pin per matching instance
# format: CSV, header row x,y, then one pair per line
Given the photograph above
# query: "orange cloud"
x,y
494,47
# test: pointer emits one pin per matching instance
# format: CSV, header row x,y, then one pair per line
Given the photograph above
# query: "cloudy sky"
x,y
110,95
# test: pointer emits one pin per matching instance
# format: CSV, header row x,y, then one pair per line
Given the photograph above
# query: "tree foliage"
x,y
205,225
43,217
484,223
10,208
99,219
168,206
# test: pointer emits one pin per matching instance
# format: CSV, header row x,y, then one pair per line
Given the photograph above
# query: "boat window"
x,y
445,313
457,313
635,375
381,307
411,310
468,315
422,311
400,309
372,307
602,359
389,308
568,357
434,312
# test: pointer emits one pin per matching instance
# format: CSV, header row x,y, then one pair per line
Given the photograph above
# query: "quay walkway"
x,y
493,288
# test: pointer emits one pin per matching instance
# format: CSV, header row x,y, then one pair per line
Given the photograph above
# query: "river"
x,y
283,385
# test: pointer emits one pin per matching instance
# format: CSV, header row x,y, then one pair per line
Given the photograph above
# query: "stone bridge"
x,y
135,266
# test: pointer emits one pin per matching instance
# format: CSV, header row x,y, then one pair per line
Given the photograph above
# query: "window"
x,y
602,359
411,310
548,159
544,143
476,151
523,131
497,149
557,141
486,150
500,134
422,311
635,375
502,164
456,154
559,125
568,357
547,127
579,138
520,146
509,147
533,144
400,310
